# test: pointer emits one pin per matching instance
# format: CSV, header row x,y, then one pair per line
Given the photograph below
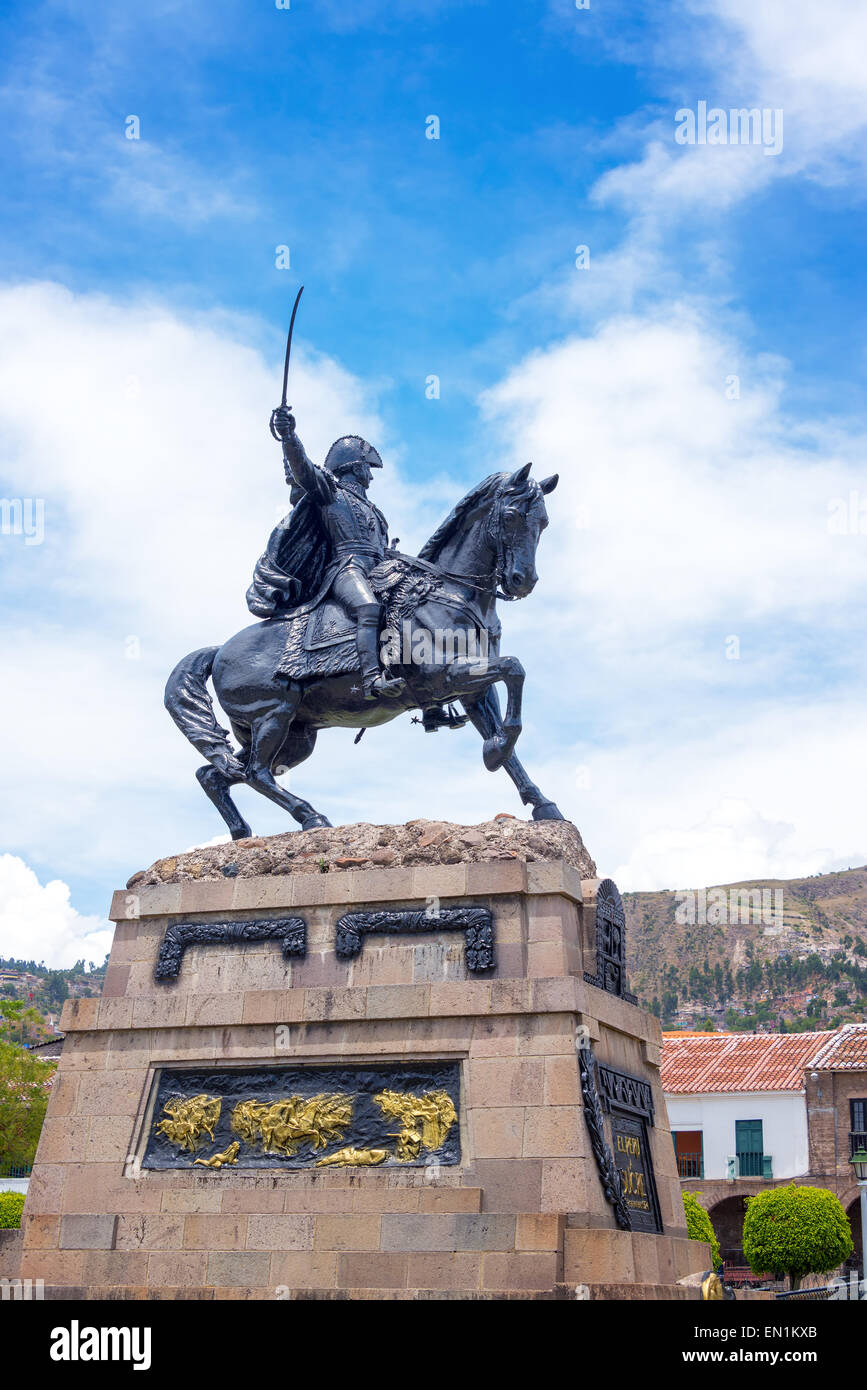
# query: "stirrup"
x,y
382,684
437,717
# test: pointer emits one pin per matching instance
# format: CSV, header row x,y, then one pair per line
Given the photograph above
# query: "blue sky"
x,y
144,320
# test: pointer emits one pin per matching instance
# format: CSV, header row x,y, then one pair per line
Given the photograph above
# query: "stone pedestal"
x,y
513,1206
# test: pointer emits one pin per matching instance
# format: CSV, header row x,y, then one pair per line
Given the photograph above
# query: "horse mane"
x,y
485,491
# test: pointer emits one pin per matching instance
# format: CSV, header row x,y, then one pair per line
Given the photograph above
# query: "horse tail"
x,y
189,703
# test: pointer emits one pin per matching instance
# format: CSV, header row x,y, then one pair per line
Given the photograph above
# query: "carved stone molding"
x,y
610,943
476,922
612,1184
291,932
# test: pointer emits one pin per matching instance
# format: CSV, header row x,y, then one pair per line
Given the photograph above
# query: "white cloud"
x,y
38,922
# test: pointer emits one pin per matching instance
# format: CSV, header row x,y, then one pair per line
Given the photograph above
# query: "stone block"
x,y
112,1267
63,1140
174,1268
492,1037
391,964
547,959
312,1269
562,1082
439,881
280,1232
497,1132
347,1232
509,1185
555,995
273,1006
371,886
464,998
505,1081
198,1201
511,963
149,1231
398,1001
519,1271
645,1256
448,1199
597,1256
254,1200
239,1268
64,1094
321,1005
109,1139
380,1199
371,1270
538,1231
510,995
116,977
45,1189
495,876
423,1231
552,1131
568,1185
79,1015
53,1266
156,900
108,1093
214,1010
167,1010
42,1232
216,1233
446,1270
115,1013
546,877
208,895
89,1232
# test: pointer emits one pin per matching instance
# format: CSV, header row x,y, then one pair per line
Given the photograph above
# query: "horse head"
x,y
516,522
493,533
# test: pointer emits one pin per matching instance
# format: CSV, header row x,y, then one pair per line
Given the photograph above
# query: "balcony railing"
x,y
749,1165
15,1170
690,1165
857,1140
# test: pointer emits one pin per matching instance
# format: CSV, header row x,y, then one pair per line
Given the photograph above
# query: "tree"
x,y
699,1226
24,1088
20,1021
796,1231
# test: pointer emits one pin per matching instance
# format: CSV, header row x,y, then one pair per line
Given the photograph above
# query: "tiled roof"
x,y
845,1050
711,1062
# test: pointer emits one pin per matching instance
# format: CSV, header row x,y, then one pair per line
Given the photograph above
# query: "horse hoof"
x,y
314,822
243,834
547,810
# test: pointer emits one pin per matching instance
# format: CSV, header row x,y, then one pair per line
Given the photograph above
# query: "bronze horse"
x,y
484,550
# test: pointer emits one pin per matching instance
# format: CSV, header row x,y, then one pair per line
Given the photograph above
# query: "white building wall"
x,y
784,1127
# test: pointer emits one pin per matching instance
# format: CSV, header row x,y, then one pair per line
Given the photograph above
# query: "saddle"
x,y
320,640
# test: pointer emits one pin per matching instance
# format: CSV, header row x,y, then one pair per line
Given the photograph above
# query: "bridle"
x,y
495,534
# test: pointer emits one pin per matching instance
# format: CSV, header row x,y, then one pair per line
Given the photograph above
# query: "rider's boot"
x,y
373,681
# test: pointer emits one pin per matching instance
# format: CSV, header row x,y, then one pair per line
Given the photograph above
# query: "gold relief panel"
x,y
305,1116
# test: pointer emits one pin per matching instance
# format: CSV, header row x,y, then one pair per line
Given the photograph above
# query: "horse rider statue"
x,y
327,546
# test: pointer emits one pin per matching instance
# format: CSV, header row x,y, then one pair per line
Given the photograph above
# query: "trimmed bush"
x,y
699,1226
796,1231
11,1207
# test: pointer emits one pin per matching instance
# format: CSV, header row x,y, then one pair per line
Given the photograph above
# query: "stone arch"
x,y
727,1219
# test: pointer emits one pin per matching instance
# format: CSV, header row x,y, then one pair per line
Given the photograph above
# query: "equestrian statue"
x,y
353,633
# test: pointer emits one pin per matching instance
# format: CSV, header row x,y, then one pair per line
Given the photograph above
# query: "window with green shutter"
x,y
749,1147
